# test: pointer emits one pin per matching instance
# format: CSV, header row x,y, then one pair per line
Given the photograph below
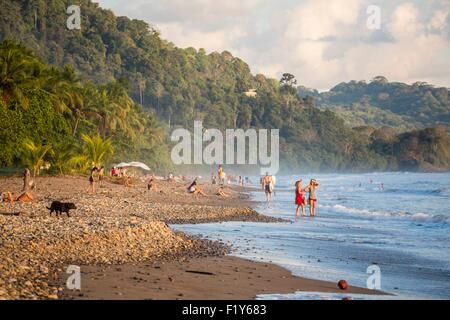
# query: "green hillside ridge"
x,y
361,114
175,87
380,102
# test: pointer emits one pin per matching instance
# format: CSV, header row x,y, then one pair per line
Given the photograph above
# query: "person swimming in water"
x,y
300,200
312,201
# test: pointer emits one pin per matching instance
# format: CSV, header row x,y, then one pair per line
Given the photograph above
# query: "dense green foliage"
x,y
176,85
426,150
390,103
43,107
363,114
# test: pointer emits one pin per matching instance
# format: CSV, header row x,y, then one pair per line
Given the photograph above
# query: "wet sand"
x,y
211,278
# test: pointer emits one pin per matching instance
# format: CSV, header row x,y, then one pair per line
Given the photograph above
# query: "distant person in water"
x,y
195,189
241,181
312,200
268,185
300,200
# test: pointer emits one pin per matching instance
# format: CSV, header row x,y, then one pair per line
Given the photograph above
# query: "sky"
x,y
321,42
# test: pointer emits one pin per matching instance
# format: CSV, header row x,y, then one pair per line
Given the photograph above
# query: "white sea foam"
x,y
374,213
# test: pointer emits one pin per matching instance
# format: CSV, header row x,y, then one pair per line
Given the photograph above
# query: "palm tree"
x,y
64,89
19,70
159,93
79,162
86,107
33,155
141,83
96,149
62,158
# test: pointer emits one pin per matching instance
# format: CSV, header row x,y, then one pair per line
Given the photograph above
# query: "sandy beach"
x,y
121,240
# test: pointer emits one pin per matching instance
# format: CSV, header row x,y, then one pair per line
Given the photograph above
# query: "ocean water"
x,y
403,228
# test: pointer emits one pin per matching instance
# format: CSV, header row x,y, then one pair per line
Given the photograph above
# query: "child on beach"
x,y
312,201
151,185
300,200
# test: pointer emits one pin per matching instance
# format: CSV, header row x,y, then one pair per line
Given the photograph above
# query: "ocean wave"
x,y
445,192
415,216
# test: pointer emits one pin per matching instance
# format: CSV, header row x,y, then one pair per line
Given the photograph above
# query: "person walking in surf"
x,y
268,185
300,200
312,201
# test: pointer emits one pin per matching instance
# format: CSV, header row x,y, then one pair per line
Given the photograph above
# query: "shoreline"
x,y
126,228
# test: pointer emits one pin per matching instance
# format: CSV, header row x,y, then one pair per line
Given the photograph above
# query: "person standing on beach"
x,y
26,179
268,186
220,175
300,200
312,201
91,187
101,175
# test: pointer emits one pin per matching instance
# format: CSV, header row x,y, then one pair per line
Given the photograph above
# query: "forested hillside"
x,y
381,102
174,86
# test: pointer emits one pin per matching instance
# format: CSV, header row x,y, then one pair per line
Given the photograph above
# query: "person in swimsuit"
x,y
312,201
195,189
101,175
91,187
300,200
268,186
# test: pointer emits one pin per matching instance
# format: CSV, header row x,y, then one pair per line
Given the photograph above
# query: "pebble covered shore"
x,y
116,225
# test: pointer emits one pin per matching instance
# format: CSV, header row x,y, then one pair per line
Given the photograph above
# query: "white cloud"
x,y
316,19
405,24
209,40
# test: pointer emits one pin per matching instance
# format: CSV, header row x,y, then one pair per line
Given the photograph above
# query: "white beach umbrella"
x,y
134,164
122,165
141,165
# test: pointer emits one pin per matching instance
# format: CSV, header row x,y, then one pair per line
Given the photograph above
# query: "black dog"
x,y
60,207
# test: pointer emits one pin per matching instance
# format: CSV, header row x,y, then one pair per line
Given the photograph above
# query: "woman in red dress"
x,y
299,198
